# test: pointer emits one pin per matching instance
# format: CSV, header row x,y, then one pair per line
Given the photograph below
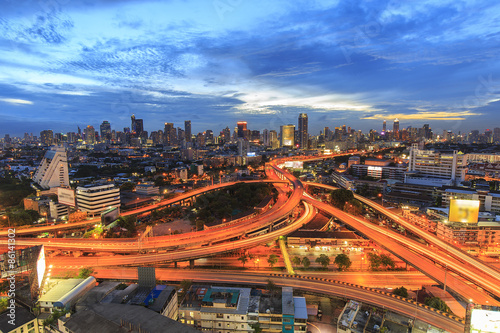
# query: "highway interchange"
x,y
291,196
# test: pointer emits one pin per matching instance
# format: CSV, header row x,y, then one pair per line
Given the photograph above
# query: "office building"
x,y
273,139
96,199
395,129
90,135
303,133
440,166
384,126
53,169
287,135
105,129
242,129
187,130
137,126
47,137
169,135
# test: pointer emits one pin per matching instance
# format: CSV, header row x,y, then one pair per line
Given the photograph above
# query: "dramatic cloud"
x,y
76,63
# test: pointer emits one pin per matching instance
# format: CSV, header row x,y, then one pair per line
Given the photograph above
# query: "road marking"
x,y
316,327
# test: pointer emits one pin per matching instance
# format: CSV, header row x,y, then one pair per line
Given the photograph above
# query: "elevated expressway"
x,y
462,263
418,255
164,203
315,284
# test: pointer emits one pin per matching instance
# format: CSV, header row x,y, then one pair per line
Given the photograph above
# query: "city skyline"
x,y
73,63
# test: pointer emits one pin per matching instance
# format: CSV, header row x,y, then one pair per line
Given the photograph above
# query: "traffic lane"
x,y
322,287
426,266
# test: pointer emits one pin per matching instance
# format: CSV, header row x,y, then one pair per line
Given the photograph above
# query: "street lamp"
x,y
7,218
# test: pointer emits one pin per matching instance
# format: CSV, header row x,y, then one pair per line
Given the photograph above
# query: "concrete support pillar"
x,y
191,263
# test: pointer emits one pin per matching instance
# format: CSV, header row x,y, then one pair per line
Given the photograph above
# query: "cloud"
x,y
16,101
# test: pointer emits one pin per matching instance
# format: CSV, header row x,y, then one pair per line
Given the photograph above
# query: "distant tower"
x,y
187,130
169,134
303,135
287,135
47,137
384,126
105,131
90,135
395,128
242,128
132,118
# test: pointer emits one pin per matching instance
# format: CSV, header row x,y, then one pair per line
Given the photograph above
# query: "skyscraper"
x,y
384,126
47,137
395,129
287,135
303,134
137,127
242,128
105,131
169,134
187,130
90,135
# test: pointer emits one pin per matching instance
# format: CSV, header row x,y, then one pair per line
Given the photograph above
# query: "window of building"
x,y
31,325
288,327
220,315
220,324
191,314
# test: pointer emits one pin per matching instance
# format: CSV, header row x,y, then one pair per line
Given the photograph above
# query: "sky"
x,y
69,63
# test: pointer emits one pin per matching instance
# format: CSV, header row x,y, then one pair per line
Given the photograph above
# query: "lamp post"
x,y
6,217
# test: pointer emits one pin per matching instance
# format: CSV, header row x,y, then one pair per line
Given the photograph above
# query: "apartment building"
x,y
224,310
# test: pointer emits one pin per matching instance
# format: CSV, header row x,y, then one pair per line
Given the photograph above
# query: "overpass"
x,y
188,196
317,284
461,263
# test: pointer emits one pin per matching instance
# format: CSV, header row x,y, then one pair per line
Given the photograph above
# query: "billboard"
x,y
66,196
482,319
110,215
465,211
294,164
40,267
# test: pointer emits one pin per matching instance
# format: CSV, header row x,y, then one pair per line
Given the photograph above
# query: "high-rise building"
x,y
303,134
226,134
105,131
395,129
53,169
242,128
47,137
137,126
273,139
435,164
187,130
90,135
427,132
287,135
384,126
265,138
169,134
181,135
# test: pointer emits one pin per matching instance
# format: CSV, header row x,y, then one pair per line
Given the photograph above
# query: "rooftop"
x,y
62,287
23,316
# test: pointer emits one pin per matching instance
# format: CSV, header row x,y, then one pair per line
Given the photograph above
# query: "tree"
x,y
306,262
85,272
272,287
401,291
128,186
374,260
340,197
296,260
185,286
387,261
324,260
243,259
342,261
437,303
272,260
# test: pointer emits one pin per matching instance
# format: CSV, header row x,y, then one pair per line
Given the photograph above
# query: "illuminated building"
x,y
242,128
53,169
287,135
96,199
303,134
105,131
47,137
90,135
169,134
187,130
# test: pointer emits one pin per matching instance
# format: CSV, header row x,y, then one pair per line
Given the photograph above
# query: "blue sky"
x,y
74,63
